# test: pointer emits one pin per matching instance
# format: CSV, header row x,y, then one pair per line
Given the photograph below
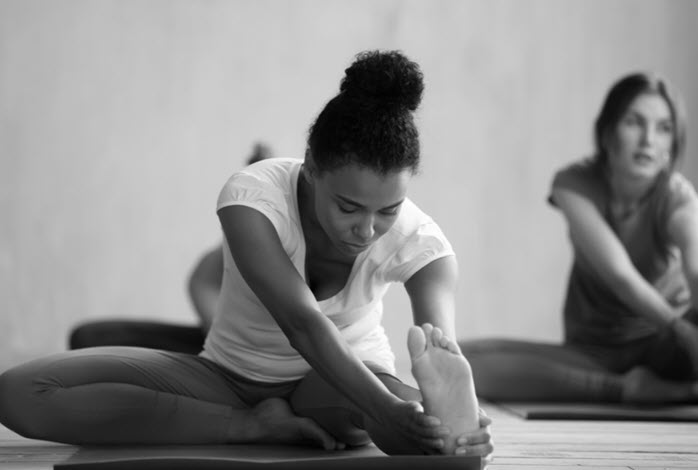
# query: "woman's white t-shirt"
x,y
246,339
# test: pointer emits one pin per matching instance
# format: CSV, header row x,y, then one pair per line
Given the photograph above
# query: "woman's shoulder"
x,y
271,181
278,172
678,191
411,219
583,176
273,174
582,171
415,228
413,241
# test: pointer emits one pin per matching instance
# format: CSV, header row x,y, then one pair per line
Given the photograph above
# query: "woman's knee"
x,y
17,394
91,334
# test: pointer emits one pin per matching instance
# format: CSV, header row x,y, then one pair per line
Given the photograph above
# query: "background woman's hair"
x,y
619,99
370,122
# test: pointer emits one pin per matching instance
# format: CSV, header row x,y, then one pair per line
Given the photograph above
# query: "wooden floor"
x,y
519,444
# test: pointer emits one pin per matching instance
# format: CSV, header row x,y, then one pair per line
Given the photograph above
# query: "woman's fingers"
x,y
478,437
479,450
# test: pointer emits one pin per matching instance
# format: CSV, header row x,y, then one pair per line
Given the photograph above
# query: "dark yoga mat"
x,y
238,457
602,411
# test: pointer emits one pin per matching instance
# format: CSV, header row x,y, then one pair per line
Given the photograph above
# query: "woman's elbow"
x,y
300,332
620,283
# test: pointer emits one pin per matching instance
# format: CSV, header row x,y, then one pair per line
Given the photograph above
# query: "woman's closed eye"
x,y
347,209
390,212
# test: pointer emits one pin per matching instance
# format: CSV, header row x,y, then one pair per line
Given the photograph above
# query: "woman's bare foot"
x,y
273,421
641,385
445,380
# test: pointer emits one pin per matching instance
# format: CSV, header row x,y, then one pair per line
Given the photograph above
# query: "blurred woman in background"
x,y
630,315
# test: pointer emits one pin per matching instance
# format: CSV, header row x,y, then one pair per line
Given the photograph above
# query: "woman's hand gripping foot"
x,y
445,381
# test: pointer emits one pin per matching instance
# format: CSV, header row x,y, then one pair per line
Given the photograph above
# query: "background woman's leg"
x,y
673,353
512,370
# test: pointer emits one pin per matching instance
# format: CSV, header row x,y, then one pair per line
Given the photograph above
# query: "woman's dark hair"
x,y
620,97
370,122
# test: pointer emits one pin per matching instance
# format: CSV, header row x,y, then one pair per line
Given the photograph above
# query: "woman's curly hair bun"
x,y
385,77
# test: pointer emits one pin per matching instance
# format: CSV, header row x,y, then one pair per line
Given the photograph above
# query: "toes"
x,y
428,329
314,433
436,336
453,347
416,341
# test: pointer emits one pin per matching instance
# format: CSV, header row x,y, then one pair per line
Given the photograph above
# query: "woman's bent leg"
x,y
446,389
316,399
120,396
511,370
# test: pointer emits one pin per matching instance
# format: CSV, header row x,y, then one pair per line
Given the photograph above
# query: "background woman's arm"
x,y
205,285
595,240
683,231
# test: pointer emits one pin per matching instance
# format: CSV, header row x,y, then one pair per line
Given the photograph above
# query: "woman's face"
x,y
640,147
355,206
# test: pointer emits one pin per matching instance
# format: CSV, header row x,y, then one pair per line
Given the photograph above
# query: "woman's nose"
x,y
364,229
649,135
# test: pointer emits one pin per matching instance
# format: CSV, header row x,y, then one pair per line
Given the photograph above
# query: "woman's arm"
x,y
683,232
595,240
432,294
269,272
205,285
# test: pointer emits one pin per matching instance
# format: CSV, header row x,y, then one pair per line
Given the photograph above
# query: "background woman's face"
x,y
640,146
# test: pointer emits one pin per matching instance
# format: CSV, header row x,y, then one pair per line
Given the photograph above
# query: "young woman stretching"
x,y
296,352
630,313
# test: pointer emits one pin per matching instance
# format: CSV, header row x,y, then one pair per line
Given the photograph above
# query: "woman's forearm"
x,y
644,299
693,288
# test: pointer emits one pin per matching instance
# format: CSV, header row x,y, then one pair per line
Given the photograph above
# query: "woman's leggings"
x,y
126,395
513,370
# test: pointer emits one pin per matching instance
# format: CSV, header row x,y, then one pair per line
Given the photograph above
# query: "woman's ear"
x,y
607,142
308,168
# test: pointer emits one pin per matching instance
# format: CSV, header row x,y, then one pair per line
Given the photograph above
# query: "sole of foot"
x,y
445,381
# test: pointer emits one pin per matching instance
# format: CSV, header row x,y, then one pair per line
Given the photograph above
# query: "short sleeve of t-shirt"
x,y
581,178
679,193
420,248
247,190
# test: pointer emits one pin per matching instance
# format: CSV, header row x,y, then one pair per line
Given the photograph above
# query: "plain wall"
x,y
120,121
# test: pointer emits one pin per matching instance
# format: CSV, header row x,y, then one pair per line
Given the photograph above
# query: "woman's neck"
x,y
311,225
316,241
627,191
